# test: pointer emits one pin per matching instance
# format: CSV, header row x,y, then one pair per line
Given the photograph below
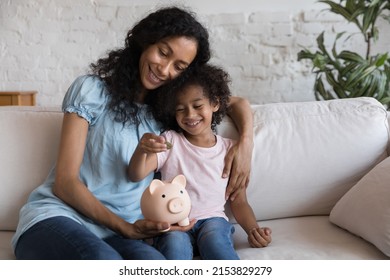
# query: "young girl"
x,y
189,146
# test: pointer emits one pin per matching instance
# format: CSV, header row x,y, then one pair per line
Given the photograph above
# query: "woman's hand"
x,y
238,159
238,167
145,229
259,237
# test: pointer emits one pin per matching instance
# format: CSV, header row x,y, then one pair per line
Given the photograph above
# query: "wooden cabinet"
x,y
18,98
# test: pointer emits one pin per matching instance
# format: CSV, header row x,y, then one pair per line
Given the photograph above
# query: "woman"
x,y
87,208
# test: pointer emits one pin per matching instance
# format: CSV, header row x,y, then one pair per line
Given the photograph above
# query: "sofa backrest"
x,y
308,154
29,139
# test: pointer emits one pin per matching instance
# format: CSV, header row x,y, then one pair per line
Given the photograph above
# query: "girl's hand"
x,y
152,143
259,237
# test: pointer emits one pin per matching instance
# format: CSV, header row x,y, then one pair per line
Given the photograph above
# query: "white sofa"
x,y
315,177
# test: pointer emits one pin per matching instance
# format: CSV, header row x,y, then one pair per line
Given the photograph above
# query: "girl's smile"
x,y
194,114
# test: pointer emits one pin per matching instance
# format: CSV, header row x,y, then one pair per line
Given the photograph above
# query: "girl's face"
x,y
165,60
194,113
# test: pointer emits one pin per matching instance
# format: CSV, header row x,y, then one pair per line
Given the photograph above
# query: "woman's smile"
x,y
165,60
154,78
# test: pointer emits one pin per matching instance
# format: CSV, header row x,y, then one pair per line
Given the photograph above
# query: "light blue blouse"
x,y
109,148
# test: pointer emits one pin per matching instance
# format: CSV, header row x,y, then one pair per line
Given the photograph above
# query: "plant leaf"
x,y
337,9
362,91
351,56
305,54
381,60
335,85
360,74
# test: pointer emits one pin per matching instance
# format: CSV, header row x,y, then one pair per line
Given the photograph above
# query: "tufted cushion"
x,y
365,209
307,155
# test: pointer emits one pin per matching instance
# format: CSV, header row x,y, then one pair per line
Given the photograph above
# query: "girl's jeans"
x,y
61,238
211,238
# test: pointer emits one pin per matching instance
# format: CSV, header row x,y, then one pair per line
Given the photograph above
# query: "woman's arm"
x,y
238,159
72,191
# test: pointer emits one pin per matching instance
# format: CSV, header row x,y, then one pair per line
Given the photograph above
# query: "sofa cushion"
x,y
302,238
307,155
365,209
6,251
306,238
28,147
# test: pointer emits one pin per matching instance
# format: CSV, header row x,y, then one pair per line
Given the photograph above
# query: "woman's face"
x,y
165,60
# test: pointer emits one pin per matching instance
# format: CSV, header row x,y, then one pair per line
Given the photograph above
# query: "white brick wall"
x,y
45,44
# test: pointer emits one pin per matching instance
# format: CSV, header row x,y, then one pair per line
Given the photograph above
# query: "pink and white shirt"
x,y
202,168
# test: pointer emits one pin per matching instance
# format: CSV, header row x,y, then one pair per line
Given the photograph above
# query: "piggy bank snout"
x,y
176,205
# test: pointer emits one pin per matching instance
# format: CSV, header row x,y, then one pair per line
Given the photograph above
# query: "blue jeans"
x,y
61,238
211,239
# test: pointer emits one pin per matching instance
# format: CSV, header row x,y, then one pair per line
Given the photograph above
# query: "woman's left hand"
x,y
237,167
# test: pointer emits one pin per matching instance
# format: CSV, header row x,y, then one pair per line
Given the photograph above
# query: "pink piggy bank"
x,y
167,202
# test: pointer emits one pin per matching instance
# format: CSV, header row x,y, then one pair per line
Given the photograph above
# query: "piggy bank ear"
x,y
154,185
180,180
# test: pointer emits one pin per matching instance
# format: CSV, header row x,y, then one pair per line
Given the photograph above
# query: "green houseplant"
x,y
347,74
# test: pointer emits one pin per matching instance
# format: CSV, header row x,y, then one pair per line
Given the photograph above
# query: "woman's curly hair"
x,y
214,82
120,69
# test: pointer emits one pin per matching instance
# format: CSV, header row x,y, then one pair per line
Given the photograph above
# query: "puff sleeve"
x,y
87,96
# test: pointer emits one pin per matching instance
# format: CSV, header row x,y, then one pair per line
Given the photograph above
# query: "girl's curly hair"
x,y
120,69
215,84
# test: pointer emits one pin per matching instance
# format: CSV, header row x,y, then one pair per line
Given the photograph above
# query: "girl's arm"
x,y
243,213
144,159
238,159
69,188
